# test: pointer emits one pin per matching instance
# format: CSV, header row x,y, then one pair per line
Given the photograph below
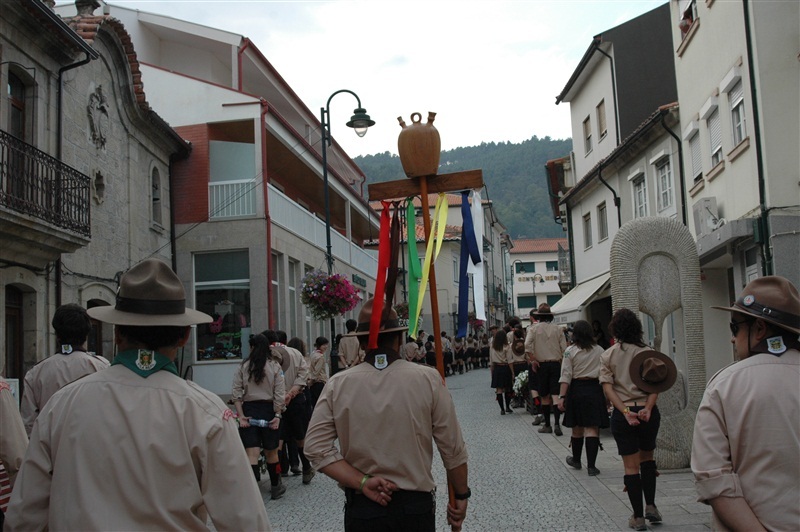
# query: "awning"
x,y
569,308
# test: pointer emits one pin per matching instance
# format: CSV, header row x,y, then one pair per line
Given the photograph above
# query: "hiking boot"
x,y
558,430
593,471
573,463
652,514
308,474
280,489
637,523
537,420
547,429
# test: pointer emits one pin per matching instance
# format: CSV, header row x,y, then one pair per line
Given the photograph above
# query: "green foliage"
x,y
513,173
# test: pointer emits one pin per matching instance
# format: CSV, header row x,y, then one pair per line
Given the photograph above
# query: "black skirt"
x,y
501,377
585,405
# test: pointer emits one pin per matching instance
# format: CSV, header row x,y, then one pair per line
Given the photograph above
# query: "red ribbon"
x,y
384,252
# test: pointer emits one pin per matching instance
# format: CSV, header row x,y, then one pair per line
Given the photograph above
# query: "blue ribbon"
x,y
469,250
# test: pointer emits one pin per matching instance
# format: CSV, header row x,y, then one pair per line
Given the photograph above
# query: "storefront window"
x,y
222,290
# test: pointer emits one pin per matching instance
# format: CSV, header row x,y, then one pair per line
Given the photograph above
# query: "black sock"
x,y
306,463
508,400
592,446
274,473
499,398
634,485
648,470
577,448
557,415
546,414
256,472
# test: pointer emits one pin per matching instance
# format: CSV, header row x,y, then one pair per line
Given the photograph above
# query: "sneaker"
x,y
558,430
280,489
652,514
637,523
547,429
308,474
296,471
537,420
593,471
573,463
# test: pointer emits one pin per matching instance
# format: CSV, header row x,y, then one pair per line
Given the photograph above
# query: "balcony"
x,y
44,205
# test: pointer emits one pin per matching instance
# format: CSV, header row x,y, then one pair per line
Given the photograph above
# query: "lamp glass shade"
x,y
360,121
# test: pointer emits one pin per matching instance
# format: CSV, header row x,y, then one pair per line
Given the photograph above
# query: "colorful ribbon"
x,y
431,254
469,251
384,251
414,273
476,268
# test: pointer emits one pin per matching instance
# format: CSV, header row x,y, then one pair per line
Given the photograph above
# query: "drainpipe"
x,y
762,227
613,87
571,247
680,165
613,193
267,218
59,128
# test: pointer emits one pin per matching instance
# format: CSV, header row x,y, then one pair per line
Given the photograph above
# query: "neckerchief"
x,y
144,362
381,358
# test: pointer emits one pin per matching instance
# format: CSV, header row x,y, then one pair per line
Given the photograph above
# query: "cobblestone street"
x,y
518,478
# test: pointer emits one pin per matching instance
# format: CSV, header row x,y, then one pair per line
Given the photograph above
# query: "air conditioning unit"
x,y
706,216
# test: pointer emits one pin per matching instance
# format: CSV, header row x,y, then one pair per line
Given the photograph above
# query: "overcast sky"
x,y
490,69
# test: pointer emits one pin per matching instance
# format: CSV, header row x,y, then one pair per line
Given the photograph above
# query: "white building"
x,y
534,274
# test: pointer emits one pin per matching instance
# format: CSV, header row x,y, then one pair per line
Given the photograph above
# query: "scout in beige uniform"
x,y
71,362
258,393
746,447
386,472
135,447
546,343
317,376
632,376
500,370
350,352
13,439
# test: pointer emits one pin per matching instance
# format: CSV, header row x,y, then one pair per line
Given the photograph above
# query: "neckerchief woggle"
x,y
469,251
431,254
413,264
144,362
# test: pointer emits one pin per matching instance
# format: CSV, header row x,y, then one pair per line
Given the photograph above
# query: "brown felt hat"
x,y
653,372
150,294
389,323
543,310
773,299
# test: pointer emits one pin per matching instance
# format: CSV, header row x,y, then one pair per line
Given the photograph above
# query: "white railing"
x,y
229,199
292,217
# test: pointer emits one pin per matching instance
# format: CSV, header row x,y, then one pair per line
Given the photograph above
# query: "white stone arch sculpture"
x,y
655,269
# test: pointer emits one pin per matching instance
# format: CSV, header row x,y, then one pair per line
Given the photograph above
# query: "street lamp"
x,y
536,277
360,121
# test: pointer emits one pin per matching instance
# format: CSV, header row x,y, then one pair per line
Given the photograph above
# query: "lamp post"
x,y
536,277
360,121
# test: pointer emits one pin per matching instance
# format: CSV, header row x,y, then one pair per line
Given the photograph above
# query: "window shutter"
x,y
714,130
601,117
736,94
694,147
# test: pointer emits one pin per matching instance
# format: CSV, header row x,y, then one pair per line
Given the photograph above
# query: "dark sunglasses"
x,y
734,325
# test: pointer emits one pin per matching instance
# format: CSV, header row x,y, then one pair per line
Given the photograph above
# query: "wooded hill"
x,y
513,173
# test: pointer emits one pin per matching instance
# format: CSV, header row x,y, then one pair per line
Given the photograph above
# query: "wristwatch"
x,y
463,496
279,416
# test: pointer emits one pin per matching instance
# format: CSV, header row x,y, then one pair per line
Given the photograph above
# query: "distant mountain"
x,y
513,173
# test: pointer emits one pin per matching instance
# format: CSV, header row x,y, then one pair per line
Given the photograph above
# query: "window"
x,y
664,182
278,297
602,222
601,119
688,16
736,98
294,297
222,290
16,98
552,299
587,231
524,267
639,197
155,196
231,190
715,137
552,266
697,165
456,276
587,134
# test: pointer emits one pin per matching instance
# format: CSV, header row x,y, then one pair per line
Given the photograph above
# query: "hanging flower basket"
x,y
402,310
327,296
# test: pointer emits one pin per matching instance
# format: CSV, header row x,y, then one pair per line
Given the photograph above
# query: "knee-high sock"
x,y
592,446
546,414
577,447
256,472
499,398
508,400
648,470
274,473
557,415
303,459
634,485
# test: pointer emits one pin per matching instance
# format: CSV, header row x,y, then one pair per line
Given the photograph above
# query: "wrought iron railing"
x,y
34,183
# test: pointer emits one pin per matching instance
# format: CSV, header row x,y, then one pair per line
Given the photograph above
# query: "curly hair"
x,y
626,327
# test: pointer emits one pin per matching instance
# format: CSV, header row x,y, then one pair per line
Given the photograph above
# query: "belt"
x,y
499,364
635,403
587,379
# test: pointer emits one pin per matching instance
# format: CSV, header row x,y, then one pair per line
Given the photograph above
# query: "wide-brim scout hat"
x,y
543,310
150,294
389,323
773,299
653,372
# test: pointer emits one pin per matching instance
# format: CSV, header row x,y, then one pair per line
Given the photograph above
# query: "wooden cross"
x,y
422,186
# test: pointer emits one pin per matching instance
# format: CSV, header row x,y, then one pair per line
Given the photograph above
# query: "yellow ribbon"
x,y
434,245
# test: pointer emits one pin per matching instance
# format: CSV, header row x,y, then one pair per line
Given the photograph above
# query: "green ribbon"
x,y
144,362
414,268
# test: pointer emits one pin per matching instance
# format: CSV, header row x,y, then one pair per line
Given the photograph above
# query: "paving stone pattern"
x,y
518,477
